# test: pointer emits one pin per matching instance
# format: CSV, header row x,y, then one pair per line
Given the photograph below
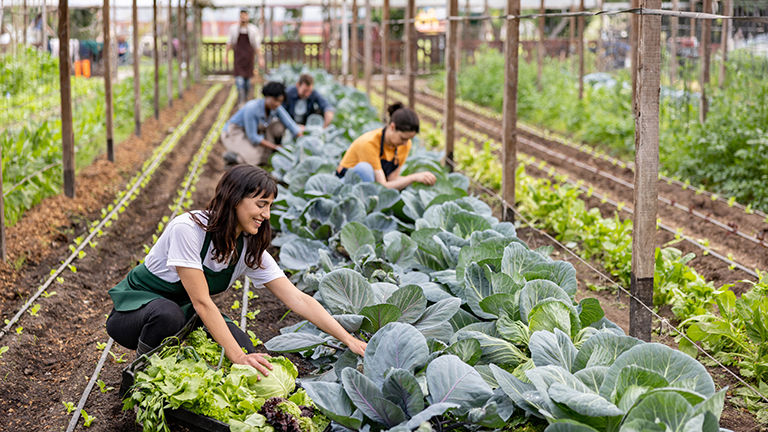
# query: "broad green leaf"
x,y
491,249
504,284
468,350
517,259
569,426
345,291
591,311
410,301
537,290
367,397
377,316
451,380
439,313
294,342
354,235
398,247
350,322
592,377
333,401
462,319
301,253
477,286
517,390
425,415
348,210
382,291
560,272
395,346
500,304
495,350
667,408
680,370
585,403
552,349
319,209
634,382
380,223
514,331
551,314
603,349
401,388
322,185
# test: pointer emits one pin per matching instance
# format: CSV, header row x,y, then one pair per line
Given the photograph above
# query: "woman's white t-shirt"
x,y
180,245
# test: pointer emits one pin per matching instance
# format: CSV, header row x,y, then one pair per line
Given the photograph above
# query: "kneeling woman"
x,y
380,154
201,253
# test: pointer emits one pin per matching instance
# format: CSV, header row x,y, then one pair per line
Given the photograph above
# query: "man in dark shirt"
x,y
302,100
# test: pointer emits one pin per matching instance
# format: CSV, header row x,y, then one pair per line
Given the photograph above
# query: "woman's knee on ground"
x,y
364,170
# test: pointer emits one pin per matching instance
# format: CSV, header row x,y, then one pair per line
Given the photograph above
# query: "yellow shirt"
x,y
366,148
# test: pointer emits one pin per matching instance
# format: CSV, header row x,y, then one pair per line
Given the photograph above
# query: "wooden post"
x,y
633,32
179,56
540,50
509,119
646,173
169,48
368,47
184,43
156,59
706,29
198,39
326,36
693,21
410,51
599,50
385,54
355,53
571,31
673,30
67,132
136,76
728,10
109,109
580,21
451,62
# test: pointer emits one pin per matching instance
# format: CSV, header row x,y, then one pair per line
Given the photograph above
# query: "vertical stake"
x,y
509,121
646,172
67,132
109,109
451,63
136,75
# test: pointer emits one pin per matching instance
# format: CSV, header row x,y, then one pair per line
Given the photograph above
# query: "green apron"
x,y
141,286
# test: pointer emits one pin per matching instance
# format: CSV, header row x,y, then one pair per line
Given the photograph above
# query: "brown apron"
x,y
244,56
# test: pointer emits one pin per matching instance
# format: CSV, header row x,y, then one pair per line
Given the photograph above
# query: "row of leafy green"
x,y
467,327
32,152
729,328
725,155
188,376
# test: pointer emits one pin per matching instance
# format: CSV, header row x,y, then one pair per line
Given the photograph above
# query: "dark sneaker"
x,y
231,158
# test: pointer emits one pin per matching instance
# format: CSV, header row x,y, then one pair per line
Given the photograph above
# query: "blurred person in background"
x,y
302,100
245,40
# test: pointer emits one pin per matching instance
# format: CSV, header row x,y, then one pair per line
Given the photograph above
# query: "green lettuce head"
x,y
280,382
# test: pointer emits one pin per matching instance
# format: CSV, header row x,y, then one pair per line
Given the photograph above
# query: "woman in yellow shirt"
x,y
379,155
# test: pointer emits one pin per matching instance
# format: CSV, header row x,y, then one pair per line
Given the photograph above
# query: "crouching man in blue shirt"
x,y
256,129
302,100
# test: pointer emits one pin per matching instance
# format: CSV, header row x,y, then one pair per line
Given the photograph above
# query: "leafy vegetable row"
x,y
467,326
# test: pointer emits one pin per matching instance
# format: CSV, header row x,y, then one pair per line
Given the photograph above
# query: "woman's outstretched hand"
x,y
259,361
357,346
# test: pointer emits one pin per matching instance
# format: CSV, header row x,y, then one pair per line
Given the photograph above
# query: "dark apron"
x,y
141,286
244,56
386,165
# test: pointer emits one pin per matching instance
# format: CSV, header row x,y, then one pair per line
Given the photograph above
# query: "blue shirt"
x,y
253,114
300,109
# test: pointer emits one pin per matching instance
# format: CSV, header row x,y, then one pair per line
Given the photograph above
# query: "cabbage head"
x,y
280,382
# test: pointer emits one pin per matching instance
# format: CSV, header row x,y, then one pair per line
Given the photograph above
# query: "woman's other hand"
x,y
425,177
357,346
259,361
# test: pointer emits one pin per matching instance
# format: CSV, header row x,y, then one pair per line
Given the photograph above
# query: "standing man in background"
x,y
245,41
302,100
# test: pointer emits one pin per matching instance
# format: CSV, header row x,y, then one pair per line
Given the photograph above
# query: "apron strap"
x,y
207,243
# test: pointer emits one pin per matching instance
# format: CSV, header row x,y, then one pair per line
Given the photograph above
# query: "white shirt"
x,y
253,35
180,245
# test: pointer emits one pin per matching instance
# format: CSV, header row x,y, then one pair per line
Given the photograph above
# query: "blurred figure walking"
x,y
245,41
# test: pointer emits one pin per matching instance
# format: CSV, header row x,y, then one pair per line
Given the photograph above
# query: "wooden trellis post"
x,y
354,56
571,30
599,50
673,30
43,25
385,55
368,47
108,109
540,51
155,57
199,38
185,43
344,43
410,51
67,132
728,10
581,50
451,64
706,29
136,76
646,173
509,120
169,48
633,33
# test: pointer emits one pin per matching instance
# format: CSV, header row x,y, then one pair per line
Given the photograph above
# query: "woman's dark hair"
x,y
274,89
240,182
404,118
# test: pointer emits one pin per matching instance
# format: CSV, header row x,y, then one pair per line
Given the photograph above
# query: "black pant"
x,y
145,328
